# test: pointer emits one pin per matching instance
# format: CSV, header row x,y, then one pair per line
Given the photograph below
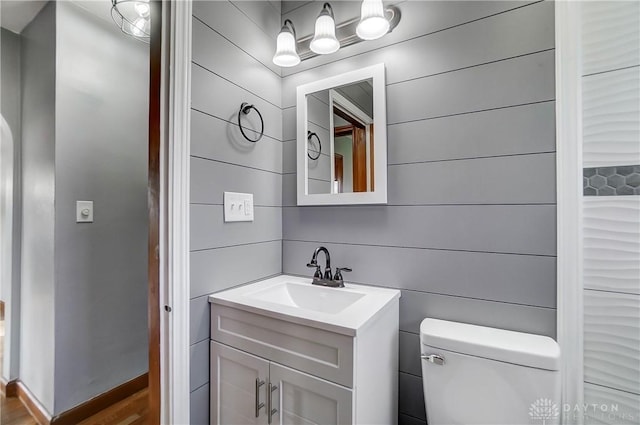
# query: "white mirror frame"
x,y
379,195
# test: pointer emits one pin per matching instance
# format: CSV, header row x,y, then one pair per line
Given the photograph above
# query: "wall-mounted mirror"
x,y
342,139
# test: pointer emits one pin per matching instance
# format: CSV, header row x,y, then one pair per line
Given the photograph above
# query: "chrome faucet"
x,y
326,279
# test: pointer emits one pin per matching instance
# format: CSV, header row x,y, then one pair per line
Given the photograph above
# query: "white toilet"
x,y
479,375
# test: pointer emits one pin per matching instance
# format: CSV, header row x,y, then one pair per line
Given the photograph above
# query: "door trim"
x,y
174,214
569,202
156,76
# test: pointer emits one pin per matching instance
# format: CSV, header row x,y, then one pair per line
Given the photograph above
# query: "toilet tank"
x,y
479,375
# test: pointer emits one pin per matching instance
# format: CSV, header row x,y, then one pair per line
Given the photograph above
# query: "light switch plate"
x,y
84,211
238,206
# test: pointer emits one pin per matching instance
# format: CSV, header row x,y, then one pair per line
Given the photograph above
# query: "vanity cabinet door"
x,y
302,399
234,391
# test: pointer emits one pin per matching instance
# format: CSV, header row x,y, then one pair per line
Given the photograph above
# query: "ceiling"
x,y
16,14
100,8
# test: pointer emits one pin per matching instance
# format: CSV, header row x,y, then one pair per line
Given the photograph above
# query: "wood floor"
x,y
1,339
13,412
133,410
130,411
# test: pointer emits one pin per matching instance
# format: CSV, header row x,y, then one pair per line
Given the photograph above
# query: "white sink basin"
x,y
308,297
292,298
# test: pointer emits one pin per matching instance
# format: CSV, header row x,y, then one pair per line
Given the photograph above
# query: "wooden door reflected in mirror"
x,y
350,141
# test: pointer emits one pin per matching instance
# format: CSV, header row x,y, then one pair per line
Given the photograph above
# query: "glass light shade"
x,y
325,41
133,17
286,54
139,27
373,24
142,8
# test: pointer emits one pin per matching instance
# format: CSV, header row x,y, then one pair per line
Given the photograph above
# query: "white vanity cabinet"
x,y
268,367
240,386
249,387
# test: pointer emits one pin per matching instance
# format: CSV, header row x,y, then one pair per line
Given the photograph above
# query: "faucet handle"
x,y
339,270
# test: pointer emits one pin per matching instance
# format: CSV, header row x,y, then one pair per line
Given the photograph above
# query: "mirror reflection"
x,y
340,145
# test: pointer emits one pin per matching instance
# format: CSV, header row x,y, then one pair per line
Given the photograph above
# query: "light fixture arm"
x,y
289,25
326,8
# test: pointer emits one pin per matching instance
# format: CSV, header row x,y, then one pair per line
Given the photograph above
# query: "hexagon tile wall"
x,y
611,181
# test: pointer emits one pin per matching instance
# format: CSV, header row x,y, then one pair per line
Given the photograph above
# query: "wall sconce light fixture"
x,y
374,22
286,53
133,17
324,40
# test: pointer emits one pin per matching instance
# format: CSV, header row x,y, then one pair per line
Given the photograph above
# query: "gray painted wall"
x,y
84,133
102,88
318,115
10,74
38,177
469,231
232,47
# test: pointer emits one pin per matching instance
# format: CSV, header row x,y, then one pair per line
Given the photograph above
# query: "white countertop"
x,y
348,321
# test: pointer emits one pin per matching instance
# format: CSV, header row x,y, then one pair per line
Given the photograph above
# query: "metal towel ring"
x,y
309,136
245,108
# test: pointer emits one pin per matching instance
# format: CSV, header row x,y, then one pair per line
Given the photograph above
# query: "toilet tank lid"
x,y
497,344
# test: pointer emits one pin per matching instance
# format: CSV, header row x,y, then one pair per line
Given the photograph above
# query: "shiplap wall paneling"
x,y
528,128
419,18
469,232
233,42
506,229
478,275
469,35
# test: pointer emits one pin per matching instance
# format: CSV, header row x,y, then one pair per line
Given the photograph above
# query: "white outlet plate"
x,y
238,206
84,211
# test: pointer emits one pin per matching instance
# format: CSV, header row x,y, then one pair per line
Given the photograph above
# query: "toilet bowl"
x,y
479,375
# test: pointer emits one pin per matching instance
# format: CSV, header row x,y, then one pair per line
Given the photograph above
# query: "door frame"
x,y
169,181
569,202
10,178
174,216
